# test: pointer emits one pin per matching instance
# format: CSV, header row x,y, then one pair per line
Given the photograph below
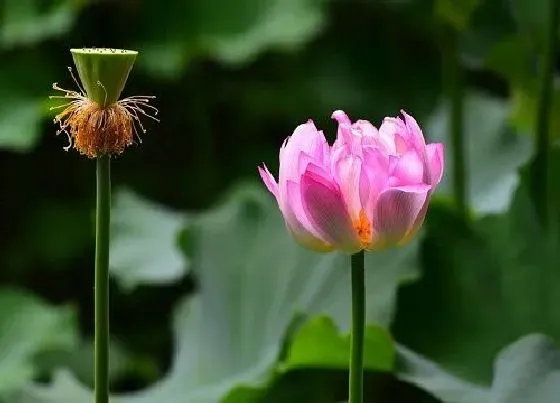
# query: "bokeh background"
x,y
211,300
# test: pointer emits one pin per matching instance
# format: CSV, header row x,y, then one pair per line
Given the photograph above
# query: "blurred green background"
x,y
211,300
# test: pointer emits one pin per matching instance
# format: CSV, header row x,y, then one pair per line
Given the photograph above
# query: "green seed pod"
x,y
103,72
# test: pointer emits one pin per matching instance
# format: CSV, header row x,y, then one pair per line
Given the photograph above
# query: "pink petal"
x,y
293,214
412,124
375,170
365,184
361,179
365,128
341,117
297,221
348,174
344,133
326,210
307,139
364,135
269,181
302,160
401,146
353,137
388,132
397,211
409,170
435,157
306,145
319,174
309,242
378,161
415,135
419,220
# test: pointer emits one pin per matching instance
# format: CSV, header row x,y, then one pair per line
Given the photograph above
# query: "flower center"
x,y
363,229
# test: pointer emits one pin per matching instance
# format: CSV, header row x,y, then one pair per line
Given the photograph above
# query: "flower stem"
x,y
103,216
454,84
541,168
356,381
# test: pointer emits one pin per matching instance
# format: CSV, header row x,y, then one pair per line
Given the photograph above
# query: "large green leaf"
x,y
532,19
505,40
483,287
413,368
145,242
28,326
19,122
80,360
494,152
525,108
22,100
513,60
254,279
25,22
490,25
335,73
456,12
528,370
333,351
514,57
272,23
236,34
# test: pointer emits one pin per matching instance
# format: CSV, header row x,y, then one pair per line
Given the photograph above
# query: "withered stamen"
x,y
96,131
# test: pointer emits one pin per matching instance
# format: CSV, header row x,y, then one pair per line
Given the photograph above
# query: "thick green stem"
x,y
541,167
356,381
103,217
454,84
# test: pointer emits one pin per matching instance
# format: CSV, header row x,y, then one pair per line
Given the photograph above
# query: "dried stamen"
x,y
94,130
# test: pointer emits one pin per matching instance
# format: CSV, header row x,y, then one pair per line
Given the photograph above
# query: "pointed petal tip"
x,y
410,120
407,115
269,180
436,161
341,117
306,127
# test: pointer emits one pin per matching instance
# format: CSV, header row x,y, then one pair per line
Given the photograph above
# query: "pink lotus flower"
x,y
369,190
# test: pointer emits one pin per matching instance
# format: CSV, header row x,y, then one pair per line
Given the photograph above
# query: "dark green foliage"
x,y
209,293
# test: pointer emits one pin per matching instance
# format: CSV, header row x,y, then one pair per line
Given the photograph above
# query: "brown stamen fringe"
x,y
96,131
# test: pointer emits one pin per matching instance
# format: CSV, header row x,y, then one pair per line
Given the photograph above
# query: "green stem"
x,y
454,85
541,168
103,217
356,382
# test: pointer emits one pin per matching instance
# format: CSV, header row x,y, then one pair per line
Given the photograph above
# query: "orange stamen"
x,y
363,229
